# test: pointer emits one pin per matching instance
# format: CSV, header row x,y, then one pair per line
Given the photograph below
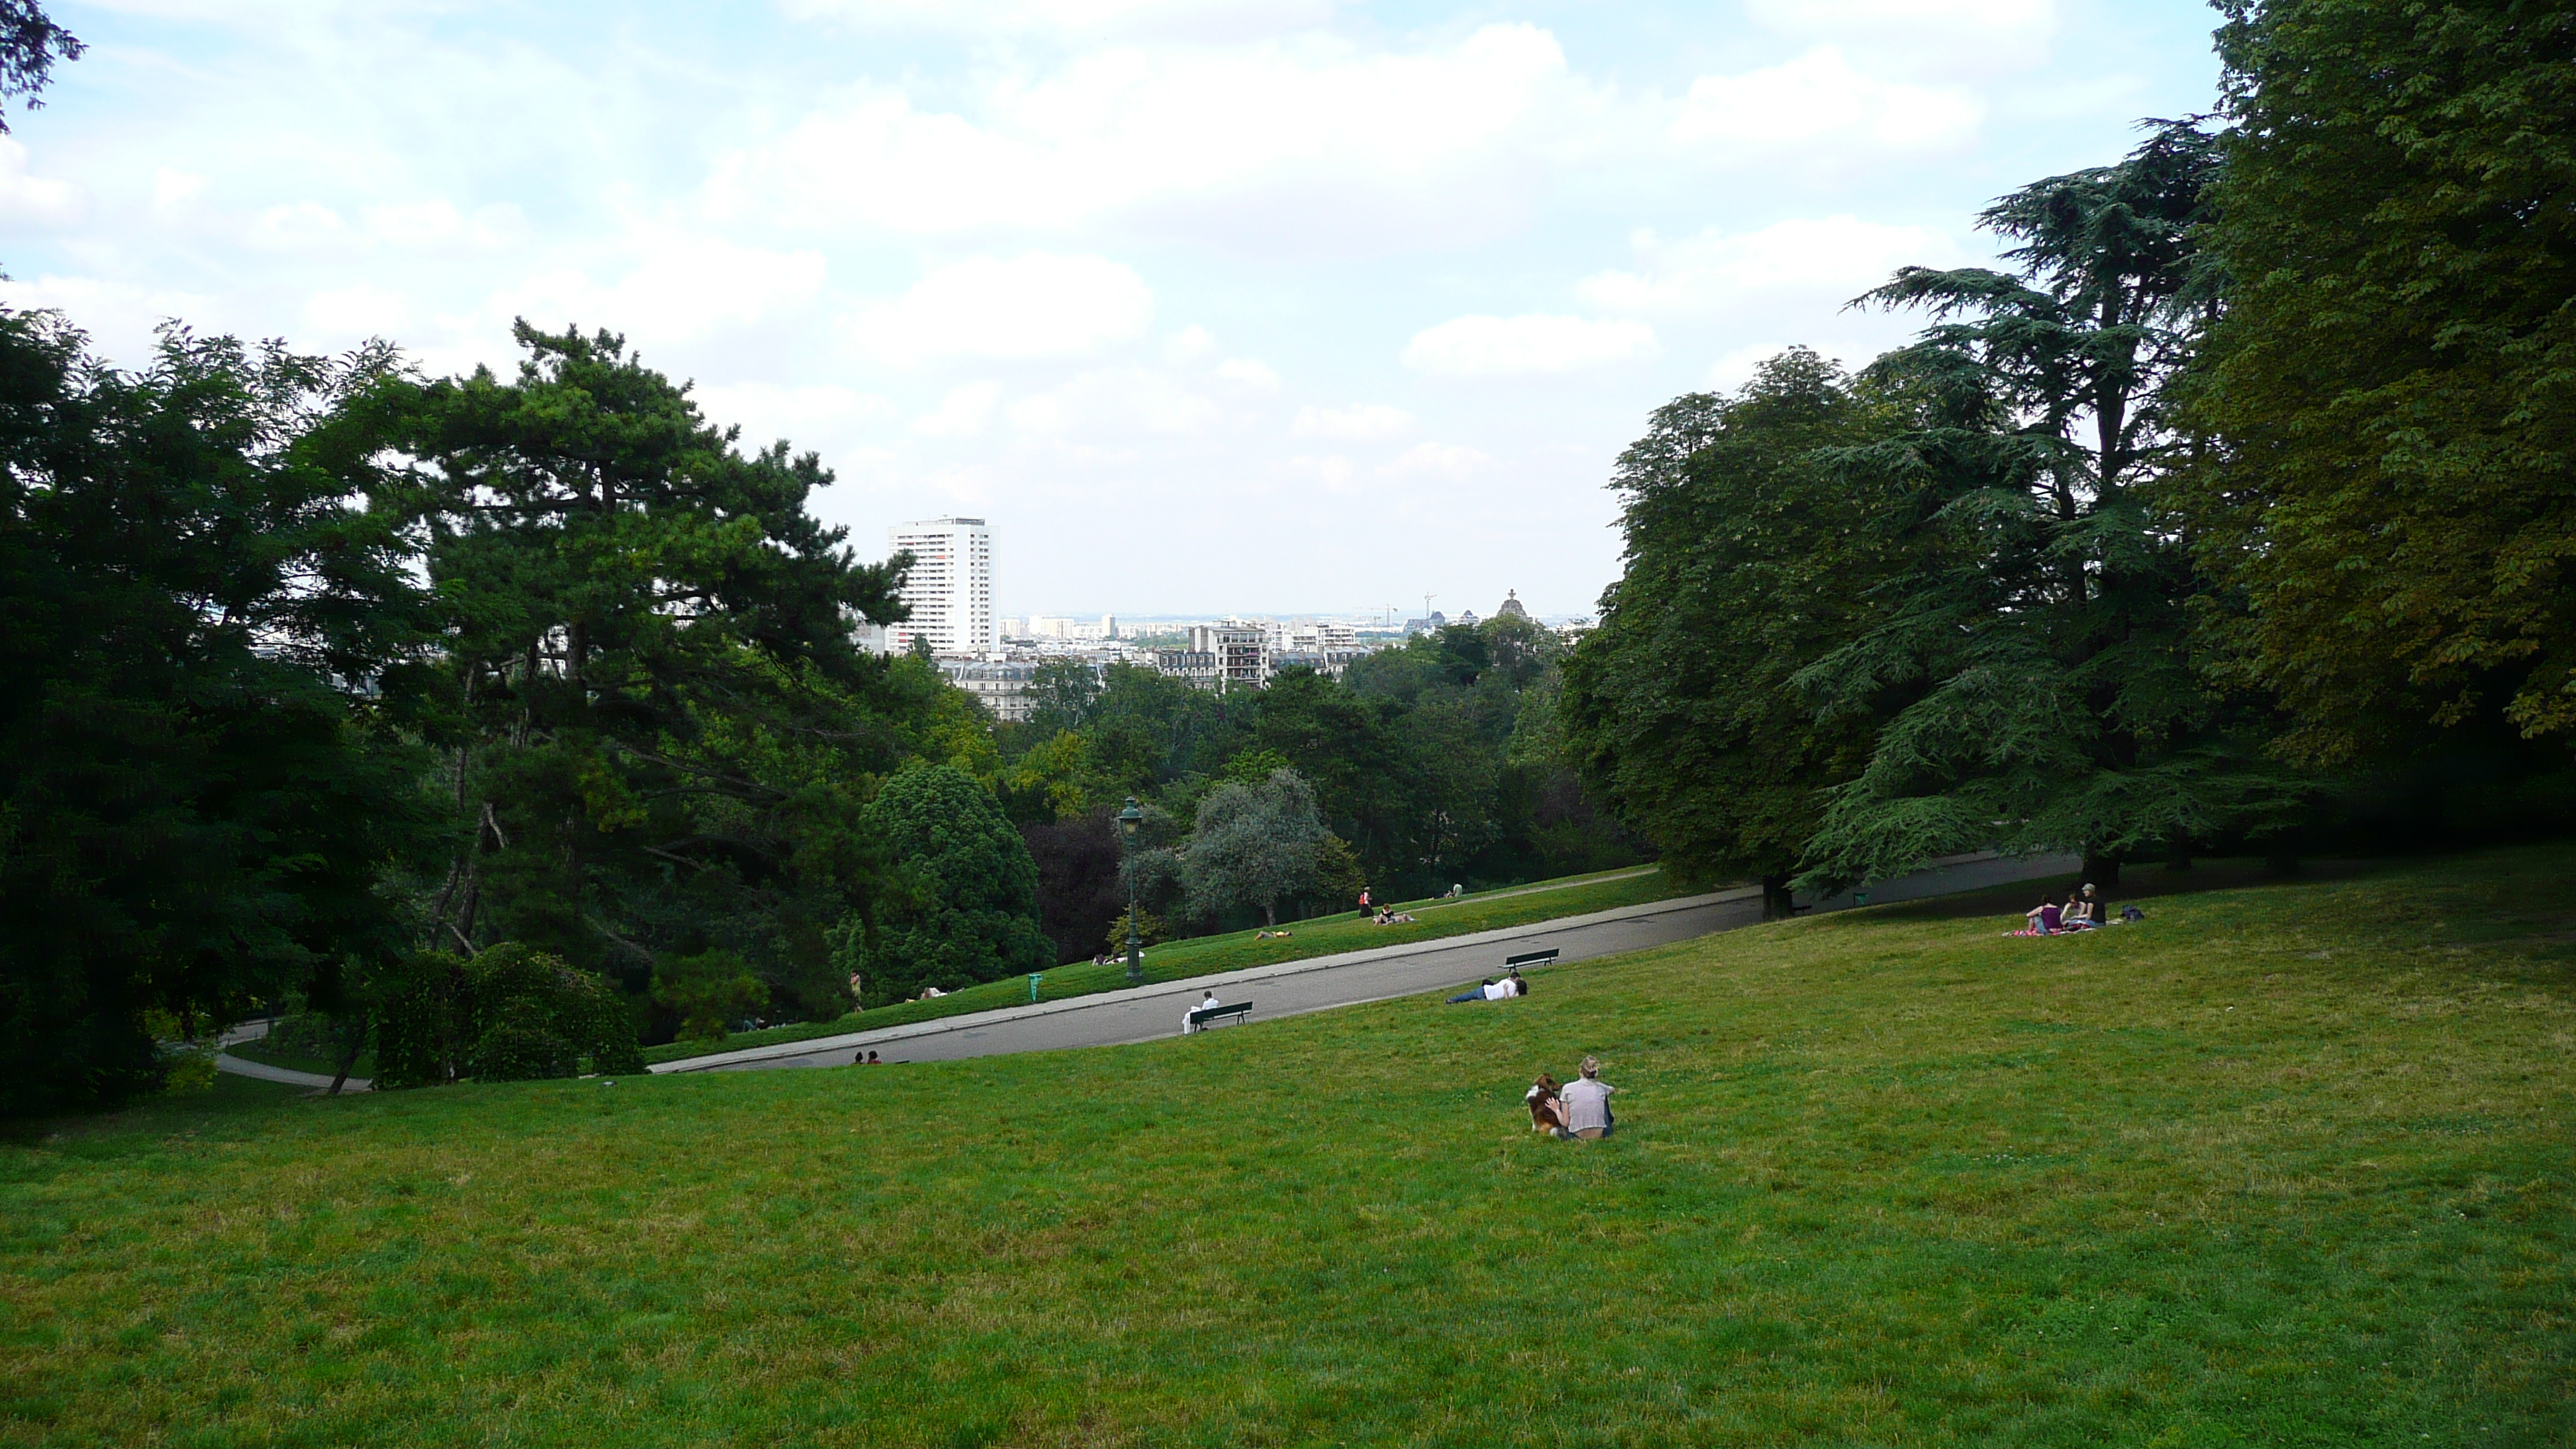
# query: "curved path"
x,y
1318,983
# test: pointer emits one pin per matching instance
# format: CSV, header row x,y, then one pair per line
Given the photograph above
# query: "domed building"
x,y
1511,608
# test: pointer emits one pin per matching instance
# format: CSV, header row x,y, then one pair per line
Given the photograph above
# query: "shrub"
x,y
512,1013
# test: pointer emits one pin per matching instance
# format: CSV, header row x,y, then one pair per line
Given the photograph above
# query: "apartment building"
x,y
1000,685
950,588
1241,651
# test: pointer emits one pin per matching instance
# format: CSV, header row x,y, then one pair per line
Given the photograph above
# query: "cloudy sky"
x,y
1260,305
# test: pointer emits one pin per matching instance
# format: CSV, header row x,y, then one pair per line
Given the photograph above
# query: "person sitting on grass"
x,y
1587,1103
1547,1114
2045,919
1484,992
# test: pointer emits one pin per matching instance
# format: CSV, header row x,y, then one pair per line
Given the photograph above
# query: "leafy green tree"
x,y
1254,846
2031,658
1749,557
511,1013
658,730
1348,750
2390,491
211,639
1149,729
964,905
709,992
30,44
1061,695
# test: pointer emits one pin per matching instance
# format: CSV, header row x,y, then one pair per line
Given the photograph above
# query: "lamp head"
x,y
1131,817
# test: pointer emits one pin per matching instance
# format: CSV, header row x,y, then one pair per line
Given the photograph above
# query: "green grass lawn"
x,y
2286,1165
1207,955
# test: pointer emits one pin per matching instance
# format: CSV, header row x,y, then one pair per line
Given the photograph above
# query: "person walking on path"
x,y
1587,1103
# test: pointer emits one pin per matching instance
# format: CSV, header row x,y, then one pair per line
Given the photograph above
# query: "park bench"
x,y
1530,958
1208,1016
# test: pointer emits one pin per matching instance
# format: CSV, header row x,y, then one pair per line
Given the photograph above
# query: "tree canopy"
x,y
2389,494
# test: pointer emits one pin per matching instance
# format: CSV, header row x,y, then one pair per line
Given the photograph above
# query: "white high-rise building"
x,y
950,589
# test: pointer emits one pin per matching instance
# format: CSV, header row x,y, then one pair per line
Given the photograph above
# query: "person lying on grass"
x,y
1484,992
1586,1103
1547,1114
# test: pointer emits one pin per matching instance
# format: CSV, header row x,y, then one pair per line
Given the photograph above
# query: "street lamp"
x,y
1130,820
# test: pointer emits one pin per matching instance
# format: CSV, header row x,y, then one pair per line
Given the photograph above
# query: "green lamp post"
x,y
1131,820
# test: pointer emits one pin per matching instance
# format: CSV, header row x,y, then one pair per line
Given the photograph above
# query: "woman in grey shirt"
x,y
1586,1102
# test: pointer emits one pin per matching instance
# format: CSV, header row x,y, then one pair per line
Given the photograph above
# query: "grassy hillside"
x,y
2288,1165
1207,955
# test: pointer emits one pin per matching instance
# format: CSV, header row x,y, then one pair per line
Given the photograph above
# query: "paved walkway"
x,y
1319,983
242,1067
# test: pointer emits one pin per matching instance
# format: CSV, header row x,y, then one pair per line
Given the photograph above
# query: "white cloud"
x,y
684,288
1487,346
1436,460
1362,423
438,223
807,416
173,189
349,313
119,316
1333,473
1204,18
29,200
1838,257
298,226
1249,372
961,414
1316,137
1971,37
1821,105
1189,344
1029,306
1114,405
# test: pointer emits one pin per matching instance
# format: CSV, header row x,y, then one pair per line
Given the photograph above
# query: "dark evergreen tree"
x,y
659,733
2031,658
963,906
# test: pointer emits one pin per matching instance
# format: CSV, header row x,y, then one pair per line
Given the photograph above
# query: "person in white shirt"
x,y
1587,1102
1502,990
1188,1026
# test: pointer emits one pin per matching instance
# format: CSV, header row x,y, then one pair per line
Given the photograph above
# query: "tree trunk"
x,y
2101,870
1779,903
349,1052
1269,914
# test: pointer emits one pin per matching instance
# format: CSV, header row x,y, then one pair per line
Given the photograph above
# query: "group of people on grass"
x,y
1381,915
1577,1109
2082,910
